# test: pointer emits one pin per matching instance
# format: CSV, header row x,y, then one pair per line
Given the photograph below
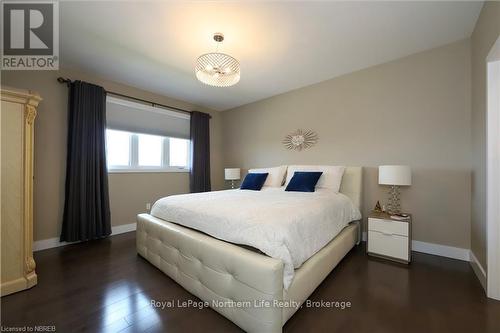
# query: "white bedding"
x,y
291,226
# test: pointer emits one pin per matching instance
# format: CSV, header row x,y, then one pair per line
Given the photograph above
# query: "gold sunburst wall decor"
x,y
300,139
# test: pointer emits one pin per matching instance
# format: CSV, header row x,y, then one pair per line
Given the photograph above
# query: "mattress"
x,y
290,226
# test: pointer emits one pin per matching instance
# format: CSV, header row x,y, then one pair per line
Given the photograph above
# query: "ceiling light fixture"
x,y
218,69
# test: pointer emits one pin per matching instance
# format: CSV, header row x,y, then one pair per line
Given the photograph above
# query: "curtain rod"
x,y
68,81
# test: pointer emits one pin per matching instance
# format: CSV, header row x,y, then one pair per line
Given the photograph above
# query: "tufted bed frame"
x,y
223,273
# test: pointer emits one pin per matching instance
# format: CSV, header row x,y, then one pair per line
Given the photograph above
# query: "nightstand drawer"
x,y
388,227
388,245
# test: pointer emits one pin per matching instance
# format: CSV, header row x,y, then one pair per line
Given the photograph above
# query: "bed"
x,y
254,290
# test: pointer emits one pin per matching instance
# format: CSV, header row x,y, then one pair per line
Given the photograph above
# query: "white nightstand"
x,y
389,238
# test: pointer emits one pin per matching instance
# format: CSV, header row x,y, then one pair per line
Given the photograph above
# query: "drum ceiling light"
x,y
217,69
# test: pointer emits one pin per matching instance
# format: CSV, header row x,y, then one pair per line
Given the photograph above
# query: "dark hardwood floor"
x,y
104,286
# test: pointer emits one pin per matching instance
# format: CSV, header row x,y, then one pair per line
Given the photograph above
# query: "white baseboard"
x,y
418,246
441,250
54,242
438,250
123,228
478,269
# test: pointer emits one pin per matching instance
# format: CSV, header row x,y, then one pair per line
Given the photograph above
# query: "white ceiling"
x,y
281,46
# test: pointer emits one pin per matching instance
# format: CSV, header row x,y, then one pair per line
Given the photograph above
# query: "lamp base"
x,y
394,203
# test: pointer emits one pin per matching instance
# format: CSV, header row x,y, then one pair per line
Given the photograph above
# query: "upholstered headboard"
x,y
352,183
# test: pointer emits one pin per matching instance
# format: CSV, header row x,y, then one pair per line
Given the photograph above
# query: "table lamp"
x,y
395,176
232,174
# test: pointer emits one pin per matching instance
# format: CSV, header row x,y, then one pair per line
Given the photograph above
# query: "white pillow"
x,y
330,179
275,175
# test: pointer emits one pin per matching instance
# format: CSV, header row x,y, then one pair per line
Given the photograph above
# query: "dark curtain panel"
x,y
86,206
199,177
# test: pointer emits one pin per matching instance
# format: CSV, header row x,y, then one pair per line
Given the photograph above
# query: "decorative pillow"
x,y
330,179
303,181
254,181
275,177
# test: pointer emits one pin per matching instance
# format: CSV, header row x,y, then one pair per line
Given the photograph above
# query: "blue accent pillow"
x,y
254,181
303,181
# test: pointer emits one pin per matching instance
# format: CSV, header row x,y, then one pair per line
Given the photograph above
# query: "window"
x,y
133,152
179,152
150,150
118,148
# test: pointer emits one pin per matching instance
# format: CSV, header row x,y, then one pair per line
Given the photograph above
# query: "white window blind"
x,y
135,117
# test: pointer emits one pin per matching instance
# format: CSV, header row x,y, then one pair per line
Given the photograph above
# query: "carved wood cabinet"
x,y
17,116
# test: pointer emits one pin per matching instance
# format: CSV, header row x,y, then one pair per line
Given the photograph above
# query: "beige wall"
x,y
129,193
485,34
414,111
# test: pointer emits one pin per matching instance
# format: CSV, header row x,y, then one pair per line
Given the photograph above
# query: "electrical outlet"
x,y
148,206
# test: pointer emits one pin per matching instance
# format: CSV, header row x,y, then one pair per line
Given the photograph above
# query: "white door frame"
x,y
493,172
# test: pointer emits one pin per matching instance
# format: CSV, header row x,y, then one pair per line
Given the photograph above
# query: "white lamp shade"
x,y
232,173
394,175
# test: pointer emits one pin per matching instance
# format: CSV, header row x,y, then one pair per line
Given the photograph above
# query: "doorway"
x,y
493,172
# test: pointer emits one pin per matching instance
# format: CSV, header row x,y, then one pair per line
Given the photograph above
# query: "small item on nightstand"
x,y
377,208
400,217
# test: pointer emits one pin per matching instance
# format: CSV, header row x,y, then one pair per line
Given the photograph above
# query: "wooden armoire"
x,y
17,116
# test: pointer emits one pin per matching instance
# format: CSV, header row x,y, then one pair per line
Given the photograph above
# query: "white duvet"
x,y
291,226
